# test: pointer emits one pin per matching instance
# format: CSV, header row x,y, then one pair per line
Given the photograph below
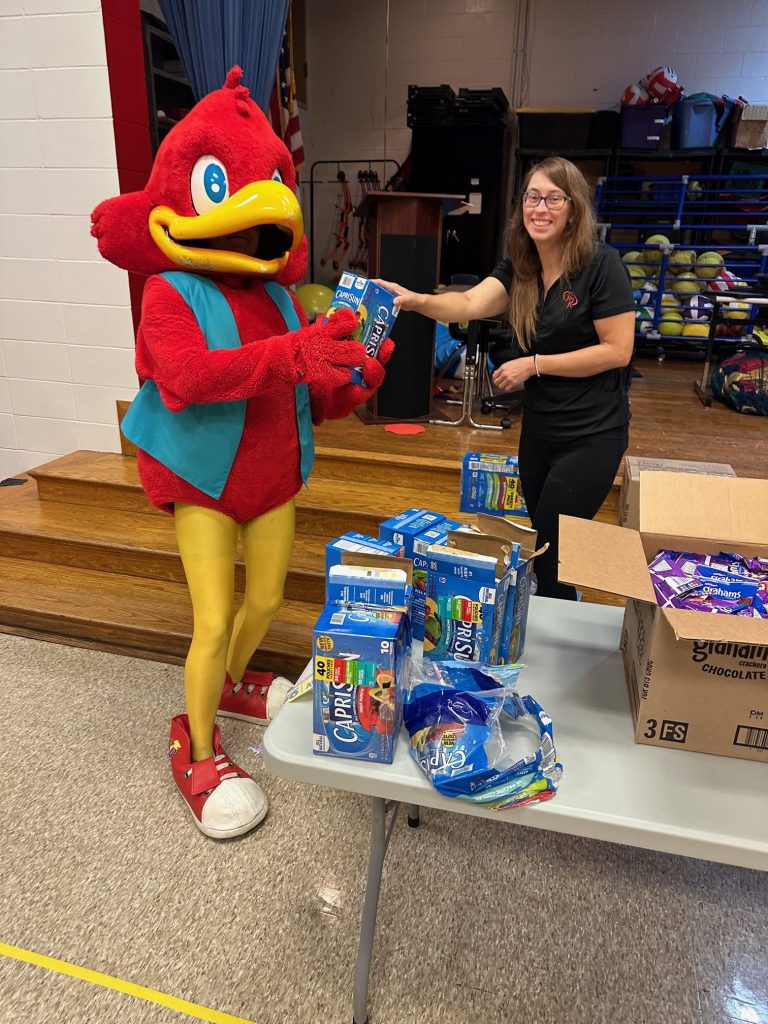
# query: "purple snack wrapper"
x,y
727,583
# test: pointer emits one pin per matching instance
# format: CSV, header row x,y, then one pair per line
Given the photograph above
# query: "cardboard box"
x,y
491,484
406,526
375,309
634,465
435,537
464,604
355,543
512,640
751,130
361,662
696,680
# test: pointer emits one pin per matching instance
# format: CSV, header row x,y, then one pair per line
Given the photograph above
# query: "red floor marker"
x,y
405,428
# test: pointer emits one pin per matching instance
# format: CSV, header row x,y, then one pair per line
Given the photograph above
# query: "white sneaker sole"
x,y
229,833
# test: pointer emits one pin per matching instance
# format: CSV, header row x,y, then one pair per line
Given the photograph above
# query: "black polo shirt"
x,y
565,408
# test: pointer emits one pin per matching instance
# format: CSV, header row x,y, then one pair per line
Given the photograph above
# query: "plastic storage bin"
x,y
694,124
553,129
641,127
604,130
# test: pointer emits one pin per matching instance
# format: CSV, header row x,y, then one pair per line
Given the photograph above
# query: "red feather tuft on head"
x,y
245,145
234,77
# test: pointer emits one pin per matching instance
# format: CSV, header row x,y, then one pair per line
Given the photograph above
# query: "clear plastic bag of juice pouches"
x,y
476,737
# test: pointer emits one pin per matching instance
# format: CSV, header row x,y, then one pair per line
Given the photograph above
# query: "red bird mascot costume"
x,y
232,381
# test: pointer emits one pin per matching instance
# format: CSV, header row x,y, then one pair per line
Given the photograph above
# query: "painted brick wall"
x,y
66,336
585,54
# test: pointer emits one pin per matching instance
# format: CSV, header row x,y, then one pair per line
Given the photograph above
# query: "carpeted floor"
x,y
102,867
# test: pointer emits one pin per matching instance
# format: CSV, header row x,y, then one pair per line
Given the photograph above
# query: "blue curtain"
x,y
212,35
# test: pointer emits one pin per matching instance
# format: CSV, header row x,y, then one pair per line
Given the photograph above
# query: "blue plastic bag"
x,y
476,738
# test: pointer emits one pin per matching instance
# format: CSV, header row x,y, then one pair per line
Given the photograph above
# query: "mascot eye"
x,y
208,184
277,176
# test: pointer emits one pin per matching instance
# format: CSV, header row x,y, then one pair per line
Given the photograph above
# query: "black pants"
x,y
571,478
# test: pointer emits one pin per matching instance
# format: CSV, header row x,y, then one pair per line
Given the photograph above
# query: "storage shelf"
x,y
172,76
585,153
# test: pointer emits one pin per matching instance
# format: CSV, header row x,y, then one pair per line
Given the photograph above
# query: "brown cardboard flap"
x,y
370,560
603,557
499,526
481,544
736,629
728,509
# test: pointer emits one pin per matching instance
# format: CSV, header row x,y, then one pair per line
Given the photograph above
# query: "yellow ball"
x,y
696,331
736,311
314,299
671,322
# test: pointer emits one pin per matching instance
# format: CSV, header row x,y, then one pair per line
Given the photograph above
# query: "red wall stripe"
x,y
130,113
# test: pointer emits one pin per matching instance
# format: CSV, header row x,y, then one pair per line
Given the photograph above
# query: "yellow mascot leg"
x,y
267,545
207,544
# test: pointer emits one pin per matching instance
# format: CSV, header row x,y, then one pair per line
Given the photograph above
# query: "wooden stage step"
x,y
145,618
128,543
86,560
328,507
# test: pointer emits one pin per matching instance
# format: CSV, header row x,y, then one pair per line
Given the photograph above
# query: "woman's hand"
x,y
404,299
511,375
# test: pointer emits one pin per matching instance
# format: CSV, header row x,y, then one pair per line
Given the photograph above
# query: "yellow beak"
x,y
258,204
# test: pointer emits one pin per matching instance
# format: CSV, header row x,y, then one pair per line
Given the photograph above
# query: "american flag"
x,y
284,110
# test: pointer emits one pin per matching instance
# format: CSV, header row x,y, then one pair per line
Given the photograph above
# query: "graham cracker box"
x,y
696,680
634,465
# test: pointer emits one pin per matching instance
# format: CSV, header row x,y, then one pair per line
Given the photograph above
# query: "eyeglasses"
x,y
554,201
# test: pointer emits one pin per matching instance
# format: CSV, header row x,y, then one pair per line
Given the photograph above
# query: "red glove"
x,y
323,357
341,401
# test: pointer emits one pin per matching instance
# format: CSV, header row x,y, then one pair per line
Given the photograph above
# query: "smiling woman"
x,y
569,301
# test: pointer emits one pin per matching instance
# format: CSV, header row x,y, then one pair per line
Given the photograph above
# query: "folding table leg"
x,y
379,841
414,816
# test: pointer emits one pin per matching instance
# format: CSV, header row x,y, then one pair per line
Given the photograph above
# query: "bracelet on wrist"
x,y
536,363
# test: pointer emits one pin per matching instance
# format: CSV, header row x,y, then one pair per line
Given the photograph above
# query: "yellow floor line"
x,y
107,981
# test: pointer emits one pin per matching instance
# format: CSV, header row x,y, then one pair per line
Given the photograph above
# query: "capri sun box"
x,y
696,680
361,659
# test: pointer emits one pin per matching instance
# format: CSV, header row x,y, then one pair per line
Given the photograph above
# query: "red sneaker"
x,y
256,698
222,798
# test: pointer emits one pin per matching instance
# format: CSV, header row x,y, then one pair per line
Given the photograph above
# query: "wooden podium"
x,y
404,234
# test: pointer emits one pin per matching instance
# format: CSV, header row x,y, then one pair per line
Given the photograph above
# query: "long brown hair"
x,y
578,244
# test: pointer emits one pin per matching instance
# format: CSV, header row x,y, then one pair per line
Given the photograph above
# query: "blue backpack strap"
x,y
199,443
282,300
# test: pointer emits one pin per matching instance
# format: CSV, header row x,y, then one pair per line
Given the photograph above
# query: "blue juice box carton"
x,y
437,536
406,526
522,541
491,484
356,543
375,310
361,662
378,586
465,600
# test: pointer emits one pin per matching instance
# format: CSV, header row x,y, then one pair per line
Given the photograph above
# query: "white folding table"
x,y
673,801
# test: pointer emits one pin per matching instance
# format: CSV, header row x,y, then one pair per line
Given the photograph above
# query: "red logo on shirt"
x,y
570,300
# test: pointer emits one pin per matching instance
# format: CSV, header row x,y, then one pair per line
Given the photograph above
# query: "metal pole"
x,y
370,907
